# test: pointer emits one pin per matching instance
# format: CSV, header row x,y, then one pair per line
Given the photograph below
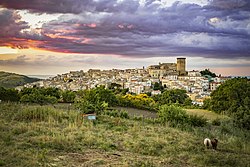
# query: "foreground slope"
x,y
48,136
12,80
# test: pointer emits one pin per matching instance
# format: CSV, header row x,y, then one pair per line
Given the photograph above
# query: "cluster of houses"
x,y
169,75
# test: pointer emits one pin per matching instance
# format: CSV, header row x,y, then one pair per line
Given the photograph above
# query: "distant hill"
x,y
12,80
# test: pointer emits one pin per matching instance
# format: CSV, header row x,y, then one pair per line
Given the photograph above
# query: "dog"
x,y
211,143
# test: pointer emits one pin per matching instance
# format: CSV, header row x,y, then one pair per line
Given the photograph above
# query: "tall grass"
x,y
178,117
46,113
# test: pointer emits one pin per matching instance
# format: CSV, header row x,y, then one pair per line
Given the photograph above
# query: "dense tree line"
x,y
40,95
97,99
9,94
37,95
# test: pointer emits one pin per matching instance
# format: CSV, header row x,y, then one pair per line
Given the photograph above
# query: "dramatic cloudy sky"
x,y
56,36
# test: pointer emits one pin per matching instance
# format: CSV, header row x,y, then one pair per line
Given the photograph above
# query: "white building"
x,y
137,89
194,73
156,92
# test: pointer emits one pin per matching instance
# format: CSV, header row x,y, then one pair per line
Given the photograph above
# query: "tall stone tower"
x,y
181,66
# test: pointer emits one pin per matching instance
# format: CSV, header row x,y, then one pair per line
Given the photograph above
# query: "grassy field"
x,y
48,136
207,114
148,114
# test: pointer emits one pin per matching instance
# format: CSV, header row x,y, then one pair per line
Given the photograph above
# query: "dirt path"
x,y
137,112
131,111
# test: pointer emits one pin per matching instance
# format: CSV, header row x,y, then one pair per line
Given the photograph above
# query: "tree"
x,y
106,95
114,86
173,96
207,104
242,117
233,98
207,72
158,86
230,95
96,100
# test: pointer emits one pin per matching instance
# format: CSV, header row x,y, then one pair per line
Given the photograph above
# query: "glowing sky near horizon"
x,y
51,37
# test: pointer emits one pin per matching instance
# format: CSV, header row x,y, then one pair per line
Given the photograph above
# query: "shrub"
x,y
172,114
140,101
195,120
89,107
177,116
124,114
216,122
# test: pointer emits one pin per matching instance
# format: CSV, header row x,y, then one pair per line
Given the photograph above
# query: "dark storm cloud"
x,y
156,32
41,6
71,6
220,29
14,32
10,23
231,4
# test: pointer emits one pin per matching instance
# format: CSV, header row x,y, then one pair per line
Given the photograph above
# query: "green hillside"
x,y
11,80
57,136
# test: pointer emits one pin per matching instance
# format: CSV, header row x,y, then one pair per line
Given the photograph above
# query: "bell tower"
x,y
181,66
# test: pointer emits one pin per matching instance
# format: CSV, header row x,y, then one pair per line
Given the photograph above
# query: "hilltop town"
x,y
165,75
